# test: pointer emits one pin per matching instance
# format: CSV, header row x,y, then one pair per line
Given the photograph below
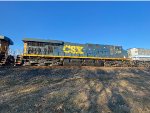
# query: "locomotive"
x,y
53,52
5,58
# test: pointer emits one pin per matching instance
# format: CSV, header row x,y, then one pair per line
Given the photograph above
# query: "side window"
x,y
29,43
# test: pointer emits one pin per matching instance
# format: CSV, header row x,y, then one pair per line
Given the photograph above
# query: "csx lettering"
x,y
73,49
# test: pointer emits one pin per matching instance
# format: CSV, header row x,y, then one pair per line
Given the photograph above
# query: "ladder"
x,y
3,61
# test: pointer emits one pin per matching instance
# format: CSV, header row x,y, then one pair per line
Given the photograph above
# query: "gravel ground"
x,y
74,90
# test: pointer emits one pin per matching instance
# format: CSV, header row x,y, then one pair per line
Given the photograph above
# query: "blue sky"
x,y
115,23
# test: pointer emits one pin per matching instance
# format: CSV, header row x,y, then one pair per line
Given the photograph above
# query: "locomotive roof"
x,y
61,42
6,39
138,48
42,40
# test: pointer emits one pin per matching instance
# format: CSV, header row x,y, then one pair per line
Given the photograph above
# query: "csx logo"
x,y
73,49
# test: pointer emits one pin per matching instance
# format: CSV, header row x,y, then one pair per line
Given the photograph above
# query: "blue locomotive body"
x,y
94,50
60,48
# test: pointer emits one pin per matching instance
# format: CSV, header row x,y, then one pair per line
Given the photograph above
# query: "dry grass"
x,y
74,90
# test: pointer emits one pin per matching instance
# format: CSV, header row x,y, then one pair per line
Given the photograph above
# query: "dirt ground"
x,y
74,90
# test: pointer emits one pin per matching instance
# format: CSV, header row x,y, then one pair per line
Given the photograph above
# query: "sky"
x,y
112,23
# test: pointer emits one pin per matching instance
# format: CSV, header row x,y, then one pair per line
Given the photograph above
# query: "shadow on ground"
x,y
74,90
